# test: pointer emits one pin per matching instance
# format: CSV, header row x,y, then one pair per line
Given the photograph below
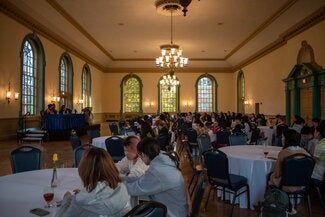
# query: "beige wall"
x,y
263,78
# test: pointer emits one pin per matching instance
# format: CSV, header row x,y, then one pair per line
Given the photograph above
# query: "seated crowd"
x,y
148,171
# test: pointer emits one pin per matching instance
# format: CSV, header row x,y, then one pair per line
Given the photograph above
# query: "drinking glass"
x,y
265,149
48,194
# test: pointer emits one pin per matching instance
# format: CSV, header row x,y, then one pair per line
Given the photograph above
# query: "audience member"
x,y
162,182
298,123
308,141
131,166
291,146
146,130
103,193
281,127
319,153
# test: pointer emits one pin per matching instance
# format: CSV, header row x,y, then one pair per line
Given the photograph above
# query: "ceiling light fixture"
x,y
171,54
169,80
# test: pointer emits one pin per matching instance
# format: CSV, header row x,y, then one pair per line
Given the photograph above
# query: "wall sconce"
x,y
150,104
9,93
246,102
188,104
80,102
55,99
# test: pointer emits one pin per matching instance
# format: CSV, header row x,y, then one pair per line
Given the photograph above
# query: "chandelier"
x,y
169,80
171,54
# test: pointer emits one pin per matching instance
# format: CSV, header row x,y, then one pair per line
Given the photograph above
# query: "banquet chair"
x,y
127,131
237,139
204,143
148,209
255,136
78,153
113,128
93,133
296,171
197,197
219,177
25,158
222,139
115,147
192,139
75,142
197,169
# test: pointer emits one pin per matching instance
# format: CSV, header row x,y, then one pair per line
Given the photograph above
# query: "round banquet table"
x,y
21,192
249,161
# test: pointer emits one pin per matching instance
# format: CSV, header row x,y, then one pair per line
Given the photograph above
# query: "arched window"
x,y
66,81
131,87
206,94
86,86
32,75
168,98
241,92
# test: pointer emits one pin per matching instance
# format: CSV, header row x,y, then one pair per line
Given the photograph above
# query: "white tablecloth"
x,y
249,161
100,141
21,192
268,132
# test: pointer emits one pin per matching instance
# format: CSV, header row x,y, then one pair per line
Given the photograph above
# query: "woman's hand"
x,y
76,191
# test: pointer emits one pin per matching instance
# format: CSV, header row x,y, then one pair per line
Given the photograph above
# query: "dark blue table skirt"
x,y
63,121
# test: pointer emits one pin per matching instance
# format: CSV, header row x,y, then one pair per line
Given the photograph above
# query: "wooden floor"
x,y
216,207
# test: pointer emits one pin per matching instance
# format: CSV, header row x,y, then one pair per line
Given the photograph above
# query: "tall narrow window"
x,y
206,93
131,87
169,98
29,79
65,86
86,86
241,92
206,89
32,77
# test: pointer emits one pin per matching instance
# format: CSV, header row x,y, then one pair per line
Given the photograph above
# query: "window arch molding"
x,y
124,80
38,51
159,110
214,88
66,57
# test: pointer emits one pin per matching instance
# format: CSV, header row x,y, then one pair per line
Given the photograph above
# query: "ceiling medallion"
x,y
178,6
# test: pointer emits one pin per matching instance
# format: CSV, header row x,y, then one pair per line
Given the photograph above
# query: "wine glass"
x,y
265,149
48,194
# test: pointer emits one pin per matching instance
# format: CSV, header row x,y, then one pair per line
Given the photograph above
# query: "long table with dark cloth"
x,y
60,125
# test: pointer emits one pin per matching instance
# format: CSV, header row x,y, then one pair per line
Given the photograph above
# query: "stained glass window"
x,y
131,95
29,78
86,86
205,95
65,81
168,98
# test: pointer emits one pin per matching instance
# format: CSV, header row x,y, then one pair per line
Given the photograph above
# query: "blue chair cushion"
x,y
237,181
